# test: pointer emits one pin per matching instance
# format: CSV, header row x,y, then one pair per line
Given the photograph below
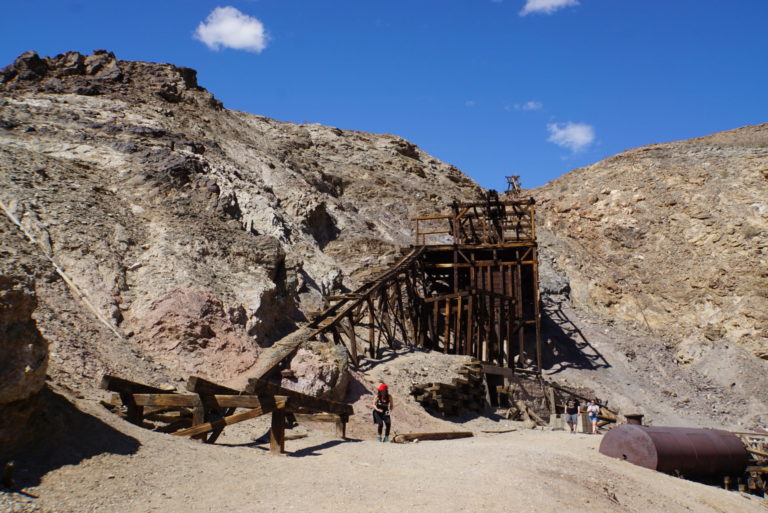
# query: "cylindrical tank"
x,y
694,453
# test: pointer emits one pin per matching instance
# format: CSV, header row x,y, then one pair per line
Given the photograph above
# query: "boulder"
x,y
320,370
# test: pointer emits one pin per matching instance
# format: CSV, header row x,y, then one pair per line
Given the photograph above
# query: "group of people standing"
x,y
573,410
383,404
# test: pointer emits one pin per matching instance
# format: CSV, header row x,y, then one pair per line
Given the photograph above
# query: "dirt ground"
x,y
100,463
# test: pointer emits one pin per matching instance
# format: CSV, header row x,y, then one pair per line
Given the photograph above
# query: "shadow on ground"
x,y
567,344
63,435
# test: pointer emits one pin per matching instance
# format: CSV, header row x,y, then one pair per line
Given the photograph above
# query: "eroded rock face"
x,y
320,370
195,333
138,184
23,350
672,237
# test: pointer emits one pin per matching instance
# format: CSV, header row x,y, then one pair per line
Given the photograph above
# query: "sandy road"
x,y
531,471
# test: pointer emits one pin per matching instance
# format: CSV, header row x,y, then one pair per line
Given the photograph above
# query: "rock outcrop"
x,y
671,237
23,350
319,369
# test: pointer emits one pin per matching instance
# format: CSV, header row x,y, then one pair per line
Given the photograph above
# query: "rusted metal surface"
x,y
692,453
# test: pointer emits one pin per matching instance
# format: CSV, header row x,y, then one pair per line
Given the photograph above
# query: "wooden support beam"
x,y
269,404
317,417
352,342
194,400
116,384
277,432
449,435
200,385
298,399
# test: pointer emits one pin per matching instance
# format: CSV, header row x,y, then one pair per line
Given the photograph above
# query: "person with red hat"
x,y
382,408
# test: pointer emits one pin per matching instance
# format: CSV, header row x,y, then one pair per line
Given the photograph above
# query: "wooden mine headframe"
x,y
482,296
468,286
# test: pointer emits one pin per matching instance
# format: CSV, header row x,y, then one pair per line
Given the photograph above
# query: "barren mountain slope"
x,y
671,242
673,237
195,232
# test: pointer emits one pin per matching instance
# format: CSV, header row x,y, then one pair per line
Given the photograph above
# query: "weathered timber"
x,y
277,432
192,400
200,385
449,435
317,417
120,385
758,452
269,405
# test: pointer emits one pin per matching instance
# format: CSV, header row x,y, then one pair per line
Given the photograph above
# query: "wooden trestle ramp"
x,y
469,286
209,408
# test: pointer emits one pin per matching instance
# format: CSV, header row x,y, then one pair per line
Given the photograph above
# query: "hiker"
x,y
594,411
382,408
572,413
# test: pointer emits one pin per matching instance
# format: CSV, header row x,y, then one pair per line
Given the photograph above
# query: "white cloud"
x,y
227,27
546,6
574,136
529,105
470,103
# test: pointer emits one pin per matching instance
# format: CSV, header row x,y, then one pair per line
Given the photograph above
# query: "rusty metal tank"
x,y
693,453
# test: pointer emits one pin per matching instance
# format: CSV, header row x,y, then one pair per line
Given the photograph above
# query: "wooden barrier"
x,y
209,408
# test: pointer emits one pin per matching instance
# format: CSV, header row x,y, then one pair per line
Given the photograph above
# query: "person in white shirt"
x,y
594,411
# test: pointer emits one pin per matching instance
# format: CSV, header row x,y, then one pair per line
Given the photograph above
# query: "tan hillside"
x,y
672,237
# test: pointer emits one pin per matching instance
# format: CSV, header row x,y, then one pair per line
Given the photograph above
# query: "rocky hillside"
x,y
672,238
187,235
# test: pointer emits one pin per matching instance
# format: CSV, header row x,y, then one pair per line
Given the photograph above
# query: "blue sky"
x,y
481,84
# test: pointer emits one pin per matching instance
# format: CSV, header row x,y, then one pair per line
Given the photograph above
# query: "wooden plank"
x,y
271,357
298,399
116,384
200,385
449,435
179,400
316,417
758,452
267,407
193,400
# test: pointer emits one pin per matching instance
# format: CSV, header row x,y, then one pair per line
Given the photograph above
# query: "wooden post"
x,y
341,426
198,418
447,339
371,331
277,432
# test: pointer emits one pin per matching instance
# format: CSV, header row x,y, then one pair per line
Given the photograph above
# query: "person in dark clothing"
x,y
572,413
382,408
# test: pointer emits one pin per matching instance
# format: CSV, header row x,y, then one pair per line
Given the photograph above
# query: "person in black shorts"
x,y
382,408
572,413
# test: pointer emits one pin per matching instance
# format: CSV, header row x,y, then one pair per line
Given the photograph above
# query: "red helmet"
x,y
383,387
